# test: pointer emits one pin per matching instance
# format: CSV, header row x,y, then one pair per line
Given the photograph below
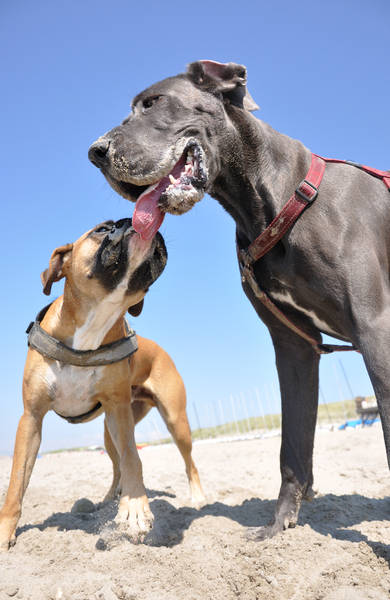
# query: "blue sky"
x,y
320,73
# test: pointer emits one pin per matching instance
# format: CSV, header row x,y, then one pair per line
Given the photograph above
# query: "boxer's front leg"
x,y
28,440
133,505
111,450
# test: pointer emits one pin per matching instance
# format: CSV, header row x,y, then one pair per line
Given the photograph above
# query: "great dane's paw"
x,y
259,534
135,517
309,495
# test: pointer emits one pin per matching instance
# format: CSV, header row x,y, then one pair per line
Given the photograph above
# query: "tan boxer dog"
x,y
107,270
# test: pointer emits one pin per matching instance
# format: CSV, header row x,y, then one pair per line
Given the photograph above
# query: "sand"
x,y
340,549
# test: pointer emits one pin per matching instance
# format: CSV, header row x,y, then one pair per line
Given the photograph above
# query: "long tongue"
x,y
147,216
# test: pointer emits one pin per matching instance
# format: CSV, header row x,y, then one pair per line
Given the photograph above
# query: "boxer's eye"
x,y
102,229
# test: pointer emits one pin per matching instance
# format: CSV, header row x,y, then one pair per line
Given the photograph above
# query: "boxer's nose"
x,y
97,153
124,224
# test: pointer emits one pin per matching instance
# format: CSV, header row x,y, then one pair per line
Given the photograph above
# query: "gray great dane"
x,y
329,273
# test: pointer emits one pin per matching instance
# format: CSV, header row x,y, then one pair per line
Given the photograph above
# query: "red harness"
x,y
306,192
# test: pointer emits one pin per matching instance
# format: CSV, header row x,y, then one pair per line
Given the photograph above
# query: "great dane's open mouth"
x,y
175,193
174,189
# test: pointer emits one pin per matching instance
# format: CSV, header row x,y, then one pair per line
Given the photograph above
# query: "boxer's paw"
x,y
135,515
111,495
7,536
197,498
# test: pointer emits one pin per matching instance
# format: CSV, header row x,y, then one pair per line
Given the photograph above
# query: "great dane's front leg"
x,y
28,439
297,366
133,505
374,343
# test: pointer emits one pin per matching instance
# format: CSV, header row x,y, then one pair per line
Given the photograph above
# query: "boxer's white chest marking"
x,y
73,388
321,325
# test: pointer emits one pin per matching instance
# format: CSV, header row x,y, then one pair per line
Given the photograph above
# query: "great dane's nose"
x,y
97,153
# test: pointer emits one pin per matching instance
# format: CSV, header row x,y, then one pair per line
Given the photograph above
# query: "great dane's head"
x,y
164,155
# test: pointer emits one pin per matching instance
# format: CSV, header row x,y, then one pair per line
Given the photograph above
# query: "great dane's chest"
x,y
72,389
289,288
318,320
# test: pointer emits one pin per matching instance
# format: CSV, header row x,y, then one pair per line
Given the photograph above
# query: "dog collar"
x,y
108,354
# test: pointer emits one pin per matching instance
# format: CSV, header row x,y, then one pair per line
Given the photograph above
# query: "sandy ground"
x,y
340,549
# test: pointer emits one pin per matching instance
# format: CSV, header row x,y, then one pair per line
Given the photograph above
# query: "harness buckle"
x,y
244,257
30,327
354,164
302,195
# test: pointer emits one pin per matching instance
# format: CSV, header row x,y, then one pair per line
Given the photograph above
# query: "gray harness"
x,y
108,354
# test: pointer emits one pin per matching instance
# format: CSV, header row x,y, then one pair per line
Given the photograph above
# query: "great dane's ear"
x,y
136,310
55,271
227,79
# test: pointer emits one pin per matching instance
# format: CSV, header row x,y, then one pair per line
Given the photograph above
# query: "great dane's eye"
x,y
149,102
102,229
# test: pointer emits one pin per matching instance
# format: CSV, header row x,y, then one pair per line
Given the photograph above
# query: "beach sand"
x,y
340,549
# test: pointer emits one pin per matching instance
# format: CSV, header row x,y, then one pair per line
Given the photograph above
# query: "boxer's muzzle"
x,y
118,250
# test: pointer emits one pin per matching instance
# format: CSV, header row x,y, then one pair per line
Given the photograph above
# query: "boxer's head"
x,y
109,261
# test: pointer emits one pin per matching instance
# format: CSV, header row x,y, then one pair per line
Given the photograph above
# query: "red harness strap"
x,y
384,175
305,193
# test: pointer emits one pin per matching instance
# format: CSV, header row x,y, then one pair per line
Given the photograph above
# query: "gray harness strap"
x,y
108,354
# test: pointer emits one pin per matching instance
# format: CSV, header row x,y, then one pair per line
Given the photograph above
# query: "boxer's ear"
x,y
228,79
55,270
136,310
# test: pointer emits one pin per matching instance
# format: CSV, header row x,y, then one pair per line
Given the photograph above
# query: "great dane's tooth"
x,y
172,179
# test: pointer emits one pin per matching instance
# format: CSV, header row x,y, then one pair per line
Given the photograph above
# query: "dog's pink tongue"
x,y
147,217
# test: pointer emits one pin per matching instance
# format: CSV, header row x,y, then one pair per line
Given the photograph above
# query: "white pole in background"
x,y
222,415
246,412
340,392
234,414
276,402
261,408
269,405
239,409
157,431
